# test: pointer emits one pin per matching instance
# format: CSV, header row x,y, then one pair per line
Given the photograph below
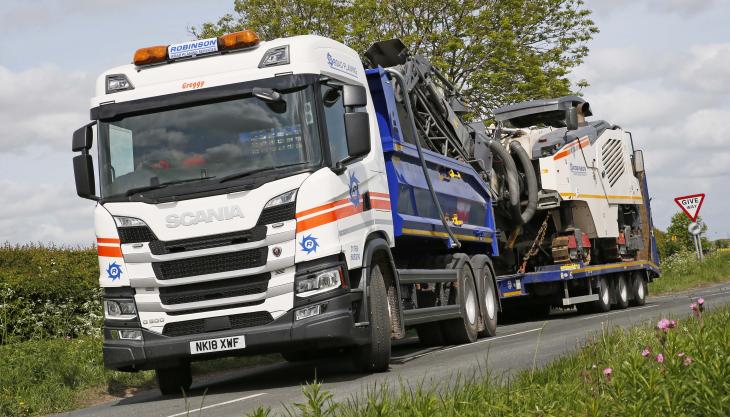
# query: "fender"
x,y
375,244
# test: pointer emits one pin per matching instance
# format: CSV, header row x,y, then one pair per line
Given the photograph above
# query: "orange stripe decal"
x,y
107,240
569,148
110,251
323,207
380,204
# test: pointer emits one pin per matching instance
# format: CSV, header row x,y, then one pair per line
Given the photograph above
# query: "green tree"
x,y
496,51
678,237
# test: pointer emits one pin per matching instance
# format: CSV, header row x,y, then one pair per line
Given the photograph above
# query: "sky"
x,y
659,68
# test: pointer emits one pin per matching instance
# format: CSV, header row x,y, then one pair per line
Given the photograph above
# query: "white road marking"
x,y
217,405
718,293
410,358
619,312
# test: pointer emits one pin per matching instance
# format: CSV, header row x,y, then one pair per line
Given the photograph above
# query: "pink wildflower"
x,y
646,352
687,361
680,354
664,325
701,301
693,306
660,358
607,373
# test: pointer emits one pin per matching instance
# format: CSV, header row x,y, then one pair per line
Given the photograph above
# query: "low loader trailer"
x,y
282,196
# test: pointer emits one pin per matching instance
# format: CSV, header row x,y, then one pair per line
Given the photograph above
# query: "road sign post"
x,y
691,205
695,229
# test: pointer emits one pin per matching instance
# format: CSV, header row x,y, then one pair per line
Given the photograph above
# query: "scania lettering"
x,y
298,200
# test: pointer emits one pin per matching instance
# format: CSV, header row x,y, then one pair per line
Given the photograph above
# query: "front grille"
x,y
136,234
238,321
232,287
277,214
211,264
159,247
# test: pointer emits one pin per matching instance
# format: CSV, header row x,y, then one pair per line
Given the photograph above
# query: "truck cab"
x,y
239,181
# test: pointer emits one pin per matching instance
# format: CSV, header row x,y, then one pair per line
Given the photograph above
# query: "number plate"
x,y
217,345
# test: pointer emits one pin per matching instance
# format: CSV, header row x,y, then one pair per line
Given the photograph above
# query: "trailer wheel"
x,y
375,356
603,303
174,380
639,290
621,292
464,329
490,307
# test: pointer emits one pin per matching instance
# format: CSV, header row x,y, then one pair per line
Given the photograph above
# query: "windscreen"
x,y
204,144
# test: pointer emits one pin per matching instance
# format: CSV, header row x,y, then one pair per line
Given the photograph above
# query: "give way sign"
x,y
691,205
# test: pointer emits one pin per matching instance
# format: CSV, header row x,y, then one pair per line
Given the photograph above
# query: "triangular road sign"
x,y
691,205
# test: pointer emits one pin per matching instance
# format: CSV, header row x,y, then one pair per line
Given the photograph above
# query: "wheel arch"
x,y
377,251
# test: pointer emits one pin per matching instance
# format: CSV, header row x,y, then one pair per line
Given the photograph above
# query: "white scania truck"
x,y
280,196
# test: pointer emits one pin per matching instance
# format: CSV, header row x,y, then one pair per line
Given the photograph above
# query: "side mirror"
x,y
354,96
357,130
638,162
83,138
84,174
571,118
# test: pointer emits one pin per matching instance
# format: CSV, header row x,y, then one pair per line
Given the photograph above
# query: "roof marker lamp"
x,y
238,40
117,82
150,55
275,56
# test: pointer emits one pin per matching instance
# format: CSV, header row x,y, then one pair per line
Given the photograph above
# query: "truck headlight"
x,y
123,221
287,197
318,282
120,309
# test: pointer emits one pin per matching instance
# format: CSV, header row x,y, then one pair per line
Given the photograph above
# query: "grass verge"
x,y
643,371
683,271
54,375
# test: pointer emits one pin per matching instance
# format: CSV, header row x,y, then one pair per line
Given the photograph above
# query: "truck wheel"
x,y
174,380
639,290
375,356
490,306
601,305
621,292
464,329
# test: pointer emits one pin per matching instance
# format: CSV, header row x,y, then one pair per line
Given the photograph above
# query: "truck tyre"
x,y
375,356
621,292
639,290
603,303
490,305
174,380
464,329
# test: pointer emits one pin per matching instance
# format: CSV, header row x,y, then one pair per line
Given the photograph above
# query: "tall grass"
x,y
621,373
683,271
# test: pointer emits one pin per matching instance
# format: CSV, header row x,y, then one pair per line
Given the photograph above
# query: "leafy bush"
x,y
682,270
46,376
48,292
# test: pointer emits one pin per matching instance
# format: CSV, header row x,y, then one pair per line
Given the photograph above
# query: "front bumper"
x,y
333,328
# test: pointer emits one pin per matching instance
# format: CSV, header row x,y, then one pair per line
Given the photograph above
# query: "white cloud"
x,y
679,7
675,104
45,213
42,106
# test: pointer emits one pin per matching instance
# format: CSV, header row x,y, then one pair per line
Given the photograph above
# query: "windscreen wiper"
x,y
138,190
238,175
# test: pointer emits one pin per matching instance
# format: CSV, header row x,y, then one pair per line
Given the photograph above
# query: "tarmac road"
x,y
515,347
